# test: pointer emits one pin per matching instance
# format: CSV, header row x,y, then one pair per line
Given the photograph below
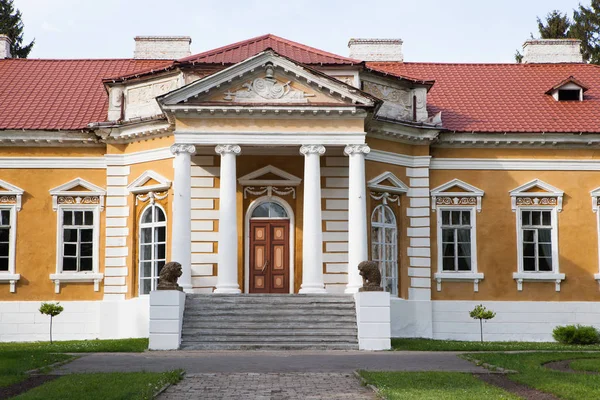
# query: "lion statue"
x,y
167,279
371,276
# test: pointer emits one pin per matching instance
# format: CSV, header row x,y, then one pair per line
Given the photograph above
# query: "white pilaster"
x,y
227,278
357,214
312,230
181,239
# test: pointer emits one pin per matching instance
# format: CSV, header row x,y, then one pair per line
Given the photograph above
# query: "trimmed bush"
x,y
576,334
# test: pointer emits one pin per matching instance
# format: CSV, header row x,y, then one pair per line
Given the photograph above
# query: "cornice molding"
x,y
515,164
398,159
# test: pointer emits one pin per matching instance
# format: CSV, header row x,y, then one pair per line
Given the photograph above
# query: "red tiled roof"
x,y
58,94
240,51
506,97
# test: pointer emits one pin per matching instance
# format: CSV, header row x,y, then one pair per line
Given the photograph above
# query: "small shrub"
x,y
576,334
481,313
51,309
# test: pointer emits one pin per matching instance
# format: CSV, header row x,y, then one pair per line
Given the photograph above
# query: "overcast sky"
x,y
432,30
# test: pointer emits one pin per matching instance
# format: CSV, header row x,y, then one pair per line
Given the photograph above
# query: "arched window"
x,y
384,246
153,246
269,210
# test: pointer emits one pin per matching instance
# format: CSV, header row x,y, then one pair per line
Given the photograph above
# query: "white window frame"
x,y
139,245
384,226
468,276
6,189
595,208
91,191
542,202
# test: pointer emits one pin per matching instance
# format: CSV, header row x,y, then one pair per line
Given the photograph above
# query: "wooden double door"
x,y
269,256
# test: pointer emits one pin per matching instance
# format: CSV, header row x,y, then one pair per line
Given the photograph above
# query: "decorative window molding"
x,y
384,246
80,205
152,246
10,205
137,186
387,192
63,195
469,197
549,196
282,187
457,275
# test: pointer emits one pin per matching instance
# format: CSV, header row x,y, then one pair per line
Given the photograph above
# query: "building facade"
x,y
268,166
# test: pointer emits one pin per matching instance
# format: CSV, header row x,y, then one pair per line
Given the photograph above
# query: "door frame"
x,y
291,218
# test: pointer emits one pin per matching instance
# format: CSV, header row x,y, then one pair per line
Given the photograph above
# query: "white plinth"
x,y
166,319
373,319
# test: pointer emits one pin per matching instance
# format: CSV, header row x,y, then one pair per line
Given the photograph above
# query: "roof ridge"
x,y
223,48
475,63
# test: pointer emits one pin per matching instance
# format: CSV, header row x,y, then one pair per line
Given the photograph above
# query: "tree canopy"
x,y
11,25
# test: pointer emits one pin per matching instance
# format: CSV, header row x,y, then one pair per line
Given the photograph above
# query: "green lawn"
x,y
586,365
454,345
532,373
18,358
433,386
111,386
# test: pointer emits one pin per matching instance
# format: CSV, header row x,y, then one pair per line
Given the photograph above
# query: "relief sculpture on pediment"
x,y
397,103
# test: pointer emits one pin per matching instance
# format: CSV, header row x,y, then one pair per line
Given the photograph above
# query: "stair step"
x,y
268,346
229,331
190,338
266,325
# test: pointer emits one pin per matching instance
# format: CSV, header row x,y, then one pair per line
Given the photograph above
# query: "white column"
x,y
227,279
181,236
312,229
357,214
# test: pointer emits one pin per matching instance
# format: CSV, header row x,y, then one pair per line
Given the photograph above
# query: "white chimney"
x,y
538,51
162,47
5,47
376,49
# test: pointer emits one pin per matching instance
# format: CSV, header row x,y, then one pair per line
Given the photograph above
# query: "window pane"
x,y
528,235
146,252
544,236
160,234
4,234
529,249
276,211
70,250
546,218
78,217
389,216
160,252
448,249
147,216
528,264
70,235
158,265
464,235
85,264
86,235
390,236
4,249
535,218
3,264
146,235
466,217
464,264
262,211
545,264
5,217
464,250
145,269
145,286
68,218
89,218
448,264
374,234
526,217
455,217
86,250
445,217
448,235
69,264
376,251
545,250
159,215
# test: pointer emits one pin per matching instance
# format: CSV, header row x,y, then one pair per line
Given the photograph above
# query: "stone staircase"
x,y
267,321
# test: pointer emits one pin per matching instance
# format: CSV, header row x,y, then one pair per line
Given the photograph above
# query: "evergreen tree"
x,y
556,26
586,27
12,26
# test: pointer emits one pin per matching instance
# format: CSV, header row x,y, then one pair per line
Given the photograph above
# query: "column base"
x,y
309,289
227,290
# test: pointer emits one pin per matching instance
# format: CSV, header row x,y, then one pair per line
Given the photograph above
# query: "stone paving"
x,y
270,386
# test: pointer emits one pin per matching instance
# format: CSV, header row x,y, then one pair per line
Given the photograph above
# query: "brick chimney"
x,y
376,49
162,47
5,43
538,51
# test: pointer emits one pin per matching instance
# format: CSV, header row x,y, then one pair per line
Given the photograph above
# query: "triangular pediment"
x,y
456,187
387,182
269,176
11,194
149,181
537,187
78,187
266,79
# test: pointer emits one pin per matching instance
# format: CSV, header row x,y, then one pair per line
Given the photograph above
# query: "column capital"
x,y
228,148
357,149
312,149
179,148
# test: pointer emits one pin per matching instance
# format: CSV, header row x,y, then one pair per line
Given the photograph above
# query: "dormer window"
x,y
569,89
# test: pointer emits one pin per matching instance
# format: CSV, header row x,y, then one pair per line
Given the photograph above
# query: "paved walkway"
x,y
269,387
200,362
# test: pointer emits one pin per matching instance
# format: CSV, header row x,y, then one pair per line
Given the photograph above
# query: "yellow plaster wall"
x,y
142,145
36,235
397,147
91,151
497,245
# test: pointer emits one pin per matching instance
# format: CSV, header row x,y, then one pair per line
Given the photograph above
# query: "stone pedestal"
x,y
373,319
166,319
